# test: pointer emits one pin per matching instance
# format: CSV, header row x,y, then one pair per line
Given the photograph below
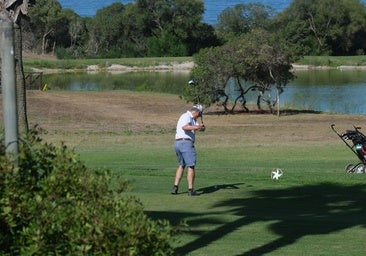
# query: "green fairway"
x,y
315,208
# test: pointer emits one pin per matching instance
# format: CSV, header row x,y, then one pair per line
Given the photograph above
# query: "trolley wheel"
x,y
350,168
359,168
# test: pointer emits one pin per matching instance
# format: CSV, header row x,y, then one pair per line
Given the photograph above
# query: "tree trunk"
x,y
20,81
45,41
278,101
44,44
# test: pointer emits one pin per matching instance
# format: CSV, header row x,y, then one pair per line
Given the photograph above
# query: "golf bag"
x,y
356,141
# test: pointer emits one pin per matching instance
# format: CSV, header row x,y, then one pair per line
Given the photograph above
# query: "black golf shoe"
x,y
192,192
174,190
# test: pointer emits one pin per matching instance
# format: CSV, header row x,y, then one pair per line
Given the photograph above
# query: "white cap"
x,y
198,107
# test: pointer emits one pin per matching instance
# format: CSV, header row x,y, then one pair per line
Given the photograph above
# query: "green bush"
x,y
52,204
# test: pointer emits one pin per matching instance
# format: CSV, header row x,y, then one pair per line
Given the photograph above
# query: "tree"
x,y
255,61
108,30
73,39
150,28
138,29
269,67
47,22
240,19
177,21
327,27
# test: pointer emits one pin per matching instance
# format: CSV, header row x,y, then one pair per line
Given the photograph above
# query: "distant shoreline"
x,y
165,65
312,67
175,67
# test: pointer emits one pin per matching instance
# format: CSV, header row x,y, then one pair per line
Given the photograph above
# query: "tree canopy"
x,y
327,27
175,28
256,61
48,24
240,19
142,28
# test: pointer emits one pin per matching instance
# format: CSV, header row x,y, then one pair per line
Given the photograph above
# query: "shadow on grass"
x,y
296,212
212,189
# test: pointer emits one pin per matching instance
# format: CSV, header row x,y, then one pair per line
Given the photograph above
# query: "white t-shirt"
x,y
185,119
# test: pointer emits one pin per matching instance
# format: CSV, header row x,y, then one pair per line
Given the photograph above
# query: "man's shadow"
x,y
215,188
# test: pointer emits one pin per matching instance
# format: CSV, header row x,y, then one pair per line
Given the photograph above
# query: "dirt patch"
x,y
119,112
101,111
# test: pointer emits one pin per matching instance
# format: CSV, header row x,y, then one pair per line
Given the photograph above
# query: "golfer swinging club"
x,y
184,147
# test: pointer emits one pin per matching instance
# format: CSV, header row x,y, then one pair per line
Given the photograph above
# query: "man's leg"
x,y
190,177
178,175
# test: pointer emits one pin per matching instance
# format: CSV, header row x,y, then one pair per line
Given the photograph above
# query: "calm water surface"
x,y
319,90
329,91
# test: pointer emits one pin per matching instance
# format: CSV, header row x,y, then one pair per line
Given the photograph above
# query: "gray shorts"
x,y
186,152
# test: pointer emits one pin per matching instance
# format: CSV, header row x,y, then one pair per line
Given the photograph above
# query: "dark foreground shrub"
x,y
51,204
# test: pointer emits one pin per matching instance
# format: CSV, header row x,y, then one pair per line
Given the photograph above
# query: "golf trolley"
x,y
356,141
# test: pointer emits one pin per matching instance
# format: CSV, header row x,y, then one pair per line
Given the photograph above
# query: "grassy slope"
x,y
314,209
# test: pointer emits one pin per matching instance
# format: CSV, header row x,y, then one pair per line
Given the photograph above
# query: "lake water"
x,y
329,90
332,90
212,7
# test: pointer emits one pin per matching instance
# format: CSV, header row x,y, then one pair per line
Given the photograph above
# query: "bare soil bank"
x,y
66,115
